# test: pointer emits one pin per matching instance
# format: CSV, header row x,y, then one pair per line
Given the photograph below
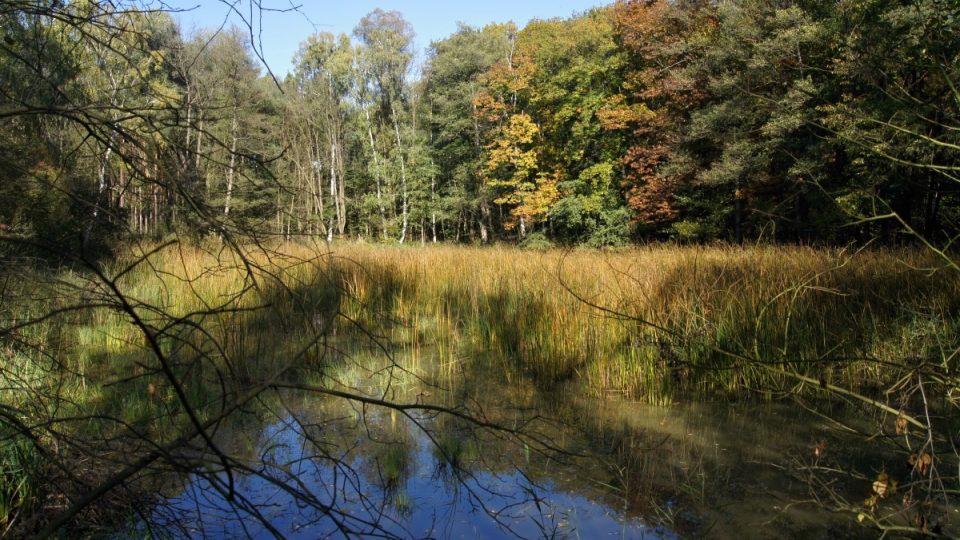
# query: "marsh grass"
x,y
20,472
657,324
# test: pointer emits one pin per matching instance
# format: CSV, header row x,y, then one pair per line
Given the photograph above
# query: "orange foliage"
x,y
649,194
653,35
487,108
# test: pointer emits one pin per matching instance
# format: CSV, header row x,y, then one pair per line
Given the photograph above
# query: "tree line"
x,y
788,121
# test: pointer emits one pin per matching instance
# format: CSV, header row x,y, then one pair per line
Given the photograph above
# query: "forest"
x,y
798,122
669,269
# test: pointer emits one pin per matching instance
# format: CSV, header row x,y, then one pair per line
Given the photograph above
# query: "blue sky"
x,y
281,33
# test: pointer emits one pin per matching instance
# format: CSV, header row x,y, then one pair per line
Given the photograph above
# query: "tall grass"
x,y
655,324
650,322
644,322
20,471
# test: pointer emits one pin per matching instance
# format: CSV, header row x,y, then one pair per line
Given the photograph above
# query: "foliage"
x,y
748,121
736,121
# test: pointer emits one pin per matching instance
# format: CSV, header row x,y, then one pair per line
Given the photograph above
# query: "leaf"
x,y
921,462
881,486
901,424
819,448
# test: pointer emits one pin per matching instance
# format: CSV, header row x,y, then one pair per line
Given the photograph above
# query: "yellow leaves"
x,y
902,424
512,165
532,199
617,114
511,160
921,462
881,488
536,205
522,129
884,486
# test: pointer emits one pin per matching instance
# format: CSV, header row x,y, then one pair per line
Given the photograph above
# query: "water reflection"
x,y
726,470
317,466
382,474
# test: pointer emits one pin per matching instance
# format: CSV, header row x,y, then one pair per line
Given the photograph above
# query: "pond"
x,y
565,465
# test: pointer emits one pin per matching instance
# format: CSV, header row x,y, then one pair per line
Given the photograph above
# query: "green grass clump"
x,y
20,477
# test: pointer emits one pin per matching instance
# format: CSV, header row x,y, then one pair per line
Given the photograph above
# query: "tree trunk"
x,y
199,140
101,191
376,174
318,185
335,193
484,215
293,200
102,180
233,161
403,176
156,207
189,99
340,197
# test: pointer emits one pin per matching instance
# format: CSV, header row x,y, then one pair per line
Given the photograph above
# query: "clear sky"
x,y
282,32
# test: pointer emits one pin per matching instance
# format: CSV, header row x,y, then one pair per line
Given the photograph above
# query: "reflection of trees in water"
x,y
385,465
691,468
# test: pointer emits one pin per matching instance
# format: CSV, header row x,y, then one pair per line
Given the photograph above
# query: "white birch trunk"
x,y
233,162
376,174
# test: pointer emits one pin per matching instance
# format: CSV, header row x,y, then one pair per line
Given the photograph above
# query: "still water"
x,y
566,465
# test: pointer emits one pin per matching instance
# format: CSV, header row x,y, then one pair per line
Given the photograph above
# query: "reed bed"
x,y
645,323
657,324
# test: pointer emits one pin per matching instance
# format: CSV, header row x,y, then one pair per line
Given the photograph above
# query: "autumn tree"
x,y
512,172
453,79
658,96
579,71
540,105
